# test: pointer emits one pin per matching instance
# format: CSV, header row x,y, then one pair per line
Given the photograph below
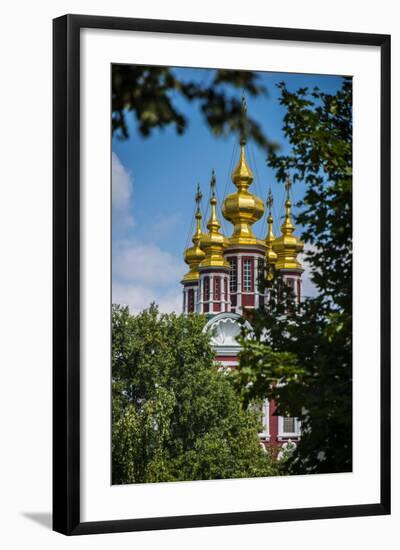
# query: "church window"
x,y
289,424
217,288
206,289
290,283
233,278
247,275
191,301
261,267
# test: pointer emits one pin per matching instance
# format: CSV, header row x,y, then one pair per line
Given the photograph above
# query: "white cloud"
x,y
171,301
139,297
143,274
136,297
122,190
145,264
163,227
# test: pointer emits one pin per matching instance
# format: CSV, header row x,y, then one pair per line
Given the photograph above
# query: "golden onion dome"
x,y
287,246
270,254
242,208
213,243
194,255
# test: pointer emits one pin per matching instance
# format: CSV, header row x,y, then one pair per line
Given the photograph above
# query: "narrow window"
x,y
247,275
290,283
233,277
191,301
206,289
217,288
261,267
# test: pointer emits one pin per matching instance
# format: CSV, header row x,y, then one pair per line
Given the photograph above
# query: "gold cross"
x,y
213,183
288,186
270,200
199,195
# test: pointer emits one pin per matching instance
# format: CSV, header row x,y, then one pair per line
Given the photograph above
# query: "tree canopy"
x,y
301,356
151,95
175,415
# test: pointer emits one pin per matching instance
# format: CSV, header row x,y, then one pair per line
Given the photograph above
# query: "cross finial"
x,y
213,183
288,186
199,195
270,200
243,121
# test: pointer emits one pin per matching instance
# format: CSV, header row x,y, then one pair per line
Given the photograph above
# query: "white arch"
x,y
225,328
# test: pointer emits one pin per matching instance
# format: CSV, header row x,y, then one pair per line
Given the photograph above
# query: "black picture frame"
x,y
66,273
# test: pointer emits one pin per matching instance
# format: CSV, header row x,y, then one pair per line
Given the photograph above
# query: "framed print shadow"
x,y
221,344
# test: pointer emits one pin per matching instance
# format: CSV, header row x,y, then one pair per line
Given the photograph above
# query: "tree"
x,y
150,94
301,356
175,416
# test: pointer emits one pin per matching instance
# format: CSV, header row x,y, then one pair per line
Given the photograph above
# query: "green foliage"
x,y
302,356
319,128
175,416
151,94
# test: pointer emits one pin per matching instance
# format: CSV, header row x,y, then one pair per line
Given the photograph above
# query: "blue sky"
x,y
154,181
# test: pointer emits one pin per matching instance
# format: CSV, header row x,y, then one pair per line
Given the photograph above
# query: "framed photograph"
x,y
221,274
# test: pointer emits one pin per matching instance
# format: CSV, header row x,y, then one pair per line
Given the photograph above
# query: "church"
x,y
224,274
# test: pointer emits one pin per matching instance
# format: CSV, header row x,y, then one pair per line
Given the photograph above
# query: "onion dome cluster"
x,y
242,209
